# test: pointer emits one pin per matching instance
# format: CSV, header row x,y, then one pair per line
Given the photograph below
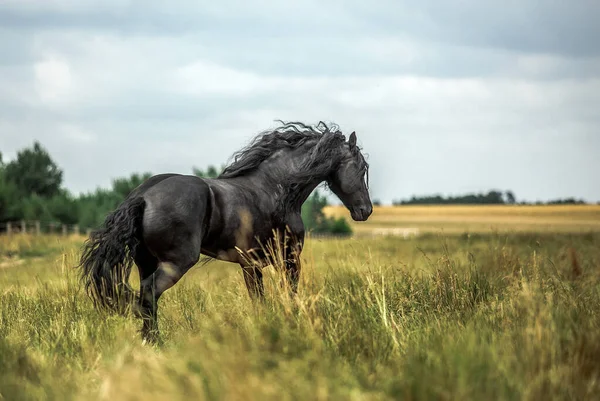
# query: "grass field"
x,y
479,219
493,315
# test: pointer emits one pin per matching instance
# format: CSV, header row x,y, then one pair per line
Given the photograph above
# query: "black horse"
x,y
166,223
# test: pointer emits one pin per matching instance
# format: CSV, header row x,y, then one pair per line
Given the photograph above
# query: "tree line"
x,y
493,197
31,188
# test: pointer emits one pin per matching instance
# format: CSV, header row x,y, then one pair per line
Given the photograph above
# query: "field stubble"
x,y
501,316
453,219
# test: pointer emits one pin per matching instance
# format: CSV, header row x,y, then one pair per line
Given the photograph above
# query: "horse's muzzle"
x,y
361,213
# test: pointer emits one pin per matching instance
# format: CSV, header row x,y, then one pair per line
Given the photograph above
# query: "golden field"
x,y
477,218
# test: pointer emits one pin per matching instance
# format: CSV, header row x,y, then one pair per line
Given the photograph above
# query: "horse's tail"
x,y
108,255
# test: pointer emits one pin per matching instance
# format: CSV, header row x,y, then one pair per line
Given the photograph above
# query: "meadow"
x,y
486,303
454,219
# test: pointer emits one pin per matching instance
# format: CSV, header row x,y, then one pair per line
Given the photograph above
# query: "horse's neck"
x,y
296,197
284,171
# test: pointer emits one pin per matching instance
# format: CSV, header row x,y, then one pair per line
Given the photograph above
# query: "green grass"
x,y
465,317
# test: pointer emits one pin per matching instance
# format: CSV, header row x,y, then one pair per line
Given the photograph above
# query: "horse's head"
x,y
348,182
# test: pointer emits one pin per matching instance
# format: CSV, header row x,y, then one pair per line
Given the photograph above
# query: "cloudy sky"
x,y
445,97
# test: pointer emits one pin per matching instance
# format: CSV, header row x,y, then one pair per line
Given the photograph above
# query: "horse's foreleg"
x,y
253,277
292,274
293,265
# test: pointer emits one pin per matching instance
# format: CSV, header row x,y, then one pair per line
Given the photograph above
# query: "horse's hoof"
x,y
150,337
136,310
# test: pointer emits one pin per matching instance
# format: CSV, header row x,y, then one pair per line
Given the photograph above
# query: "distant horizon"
x,y
508,100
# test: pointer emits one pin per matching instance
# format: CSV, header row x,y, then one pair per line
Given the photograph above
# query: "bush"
x,y
315,220
340,226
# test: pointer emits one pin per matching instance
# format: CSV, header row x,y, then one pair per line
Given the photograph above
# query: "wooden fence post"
x,y
38,228
64,229
9,228
88,232
76,229
23,227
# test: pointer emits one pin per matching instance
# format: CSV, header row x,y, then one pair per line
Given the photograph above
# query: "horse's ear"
x,y
352,140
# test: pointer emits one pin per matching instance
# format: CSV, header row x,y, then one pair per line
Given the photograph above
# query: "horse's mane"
x,y
291,135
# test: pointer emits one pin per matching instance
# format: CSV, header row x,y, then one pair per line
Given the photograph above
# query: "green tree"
x,y
34,172
34,207
492,197
510,198
64,208
10,201
123,186
93,207
211,172
312,212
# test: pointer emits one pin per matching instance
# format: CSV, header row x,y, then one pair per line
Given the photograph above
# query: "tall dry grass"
x,y
455,219
501,317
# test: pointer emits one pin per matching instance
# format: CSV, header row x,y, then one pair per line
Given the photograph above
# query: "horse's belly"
x,y
230,255
239,250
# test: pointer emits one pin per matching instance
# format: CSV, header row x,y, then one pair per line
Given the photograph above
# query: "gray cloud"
x,y
444,99
531,26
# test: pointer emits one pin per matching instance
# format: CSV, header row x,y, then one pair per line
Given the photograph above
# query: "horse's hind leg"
x,y
146,262
168,273
174,222
147,265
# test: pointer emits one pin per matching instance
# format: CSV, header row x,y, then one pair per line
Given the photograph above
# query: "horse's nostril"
x,y
365,211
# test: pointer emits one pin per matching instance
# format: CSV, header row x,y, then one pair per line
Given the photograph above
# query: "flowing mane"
x,y
324,154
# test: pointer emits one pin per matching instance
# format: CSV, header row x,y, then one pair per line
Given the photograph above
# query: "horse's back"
x,y
177,211
149,183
